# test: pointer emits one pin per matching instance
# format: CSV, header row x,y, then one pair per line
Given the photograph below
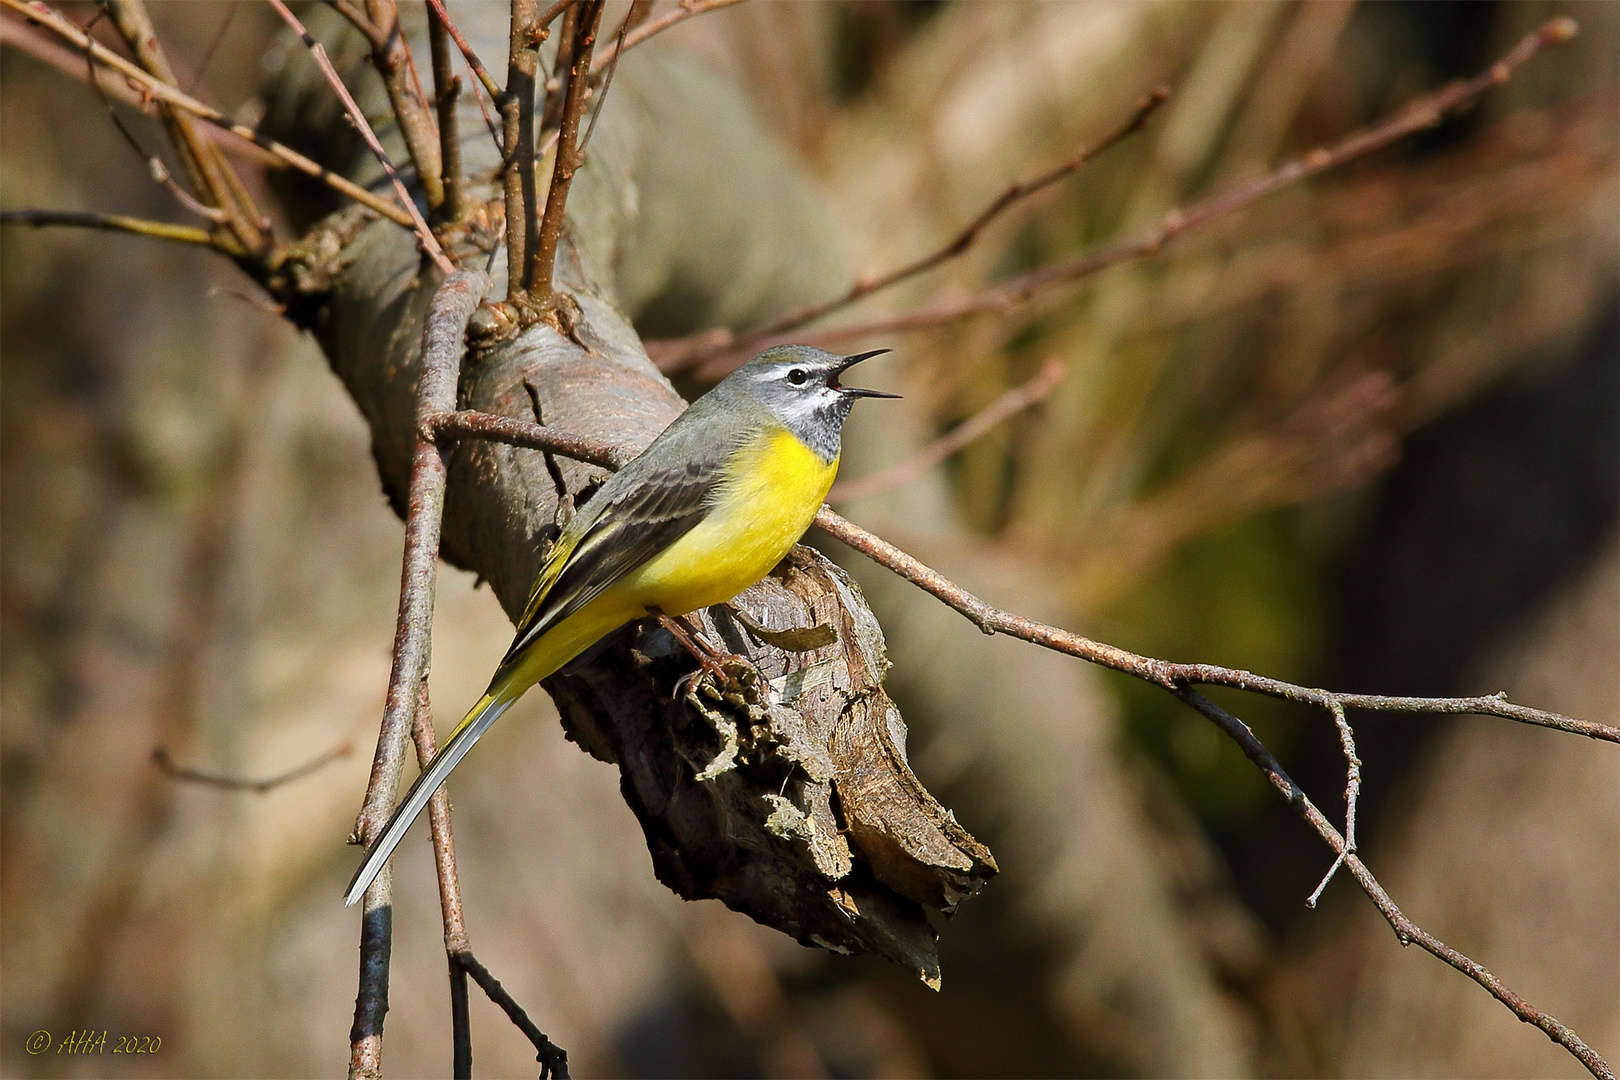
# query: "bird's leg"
x,y
722,666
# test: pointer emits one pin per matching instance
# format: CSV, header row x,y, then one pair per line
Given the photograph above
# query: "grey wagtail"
x,y
704,512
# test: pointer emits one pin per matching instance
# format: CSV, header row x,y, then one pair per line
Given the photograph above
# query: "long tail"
x,y
474,724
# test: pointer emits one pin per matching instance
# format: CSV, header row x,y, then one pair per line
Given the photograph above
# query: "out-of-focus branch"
x,y
424,235
173,769
715,352
207,168
162,92
586,16
1006,406
33,41
84,219
685,10
1010,196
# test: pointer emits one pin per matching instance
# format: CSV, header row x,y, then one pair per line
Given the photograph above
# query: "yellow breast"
x,y
772,490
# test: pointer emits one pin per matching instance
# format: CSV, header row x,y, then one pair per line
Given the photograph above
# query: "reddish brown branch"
x,y
585,18
718,352
685,10
1010,196
162,92
491,87
430,243
1406,931
1005,407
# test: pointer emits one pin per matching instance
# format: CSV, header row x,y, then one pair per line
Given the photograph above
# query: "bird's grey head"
x,y
799,386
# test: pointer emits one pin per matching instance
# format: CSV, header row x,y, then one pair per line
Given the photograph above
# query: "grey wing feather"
x,y
634,524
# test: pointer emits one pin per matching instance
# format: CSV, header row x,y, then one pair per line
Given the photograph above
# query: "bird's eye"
x,y
798,376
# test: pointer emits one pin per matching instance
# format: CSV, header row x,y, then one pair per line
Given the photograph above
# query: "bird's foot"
x,y
724,668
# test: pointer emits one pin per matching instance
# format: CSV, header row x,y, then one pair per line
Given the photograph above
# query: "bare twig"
x,y
446,89
161,230
1009,404
171,768
210,173
355,13
491,87
36,43
553,1058
1406,931
213,46
517,142
587,15
430,243
717,352
504,429
1352,792
1010,196
162,92
444,329
685,10
393,61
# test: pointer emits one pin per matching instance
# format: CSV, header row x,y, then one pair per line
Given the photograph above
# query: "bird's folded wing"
x,y
635,525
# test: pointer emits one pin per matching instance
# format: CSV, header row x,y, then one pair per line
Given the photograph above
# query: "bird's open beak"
x,y
855,391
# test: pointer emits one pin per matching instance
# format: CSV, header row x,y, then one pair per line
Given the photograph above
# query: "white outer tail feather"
x,y
450,754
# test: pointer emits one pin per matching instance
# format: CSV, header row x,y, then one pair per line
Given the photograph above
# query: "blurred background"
x,y
1364,434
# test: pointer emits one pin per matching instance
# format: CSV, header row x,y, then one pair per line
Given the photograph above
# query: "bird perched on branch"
x,y
704,512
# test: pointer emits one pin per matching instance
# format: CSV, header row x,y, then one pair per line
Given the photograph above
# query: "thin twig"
x,y
717,352
162,92
430,243
155,168
357,17
443,333
1352,792
48,50
446,89
210,173
1010,196
171,768
517,142
587,16
1008,405
607,82
488,427
491,87
393,61
553,1058
1406,931
213,46
686,10
84,219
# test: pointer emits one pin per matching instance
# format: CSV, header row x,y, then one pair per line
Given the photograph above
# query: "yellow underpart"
x,y
772,489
